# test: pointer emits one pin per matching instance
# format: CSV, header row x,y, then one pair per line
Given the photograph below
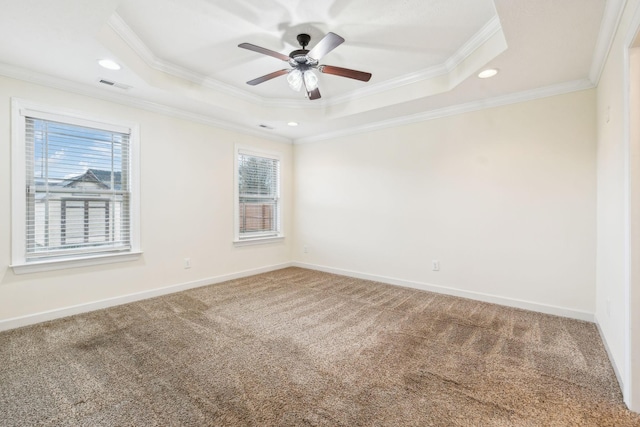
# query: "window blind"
x,y
258,195
78,189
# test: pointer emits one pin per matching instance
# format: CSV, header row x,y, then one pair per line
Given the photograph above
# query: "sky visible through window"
x,y
257,175
63,151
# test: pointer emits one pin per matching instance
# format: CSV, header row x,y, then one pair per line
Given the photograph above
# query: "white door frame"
x,y
631,386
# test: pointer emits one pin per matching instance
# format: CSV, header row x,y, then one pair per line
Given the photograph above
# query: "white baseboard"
x,y
609,354
44,316
17,322
479,296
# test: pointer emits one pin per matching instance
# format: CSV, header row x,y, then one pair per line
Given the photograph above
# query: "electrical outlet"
x,y
305,249
435,265
187,263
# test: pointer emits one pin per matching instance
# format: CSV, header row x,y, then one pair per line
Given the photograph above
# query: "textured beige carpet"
x,y
297,347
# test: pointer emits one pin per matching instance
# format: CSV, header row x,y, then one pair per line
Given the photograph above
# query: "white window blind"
x,y
258,195
78,189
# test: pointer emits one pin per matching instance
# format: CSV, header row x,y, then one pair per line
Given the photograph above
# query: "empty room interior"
x,y
345,212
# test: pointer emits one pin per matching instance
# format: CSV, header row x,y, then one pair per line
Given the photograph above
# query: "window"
x,y
257,196
74,189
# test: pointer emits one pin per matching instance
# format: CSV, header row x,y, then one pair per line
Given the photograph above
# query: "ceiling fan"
x,y
303,62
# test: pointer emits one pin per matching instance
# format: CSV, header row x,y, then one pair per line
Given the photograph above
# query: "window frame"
x,y
86,213
239,239
20,109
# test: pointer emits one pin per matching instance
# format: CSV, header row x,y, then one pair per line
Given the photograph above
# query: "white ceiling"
x,y
181,56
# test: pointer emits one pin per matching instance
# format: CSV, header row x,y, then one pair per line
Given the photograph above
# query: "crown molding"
x,y
106,95
528,95
492,27
130,101
125,32
146,54
142,50
611,17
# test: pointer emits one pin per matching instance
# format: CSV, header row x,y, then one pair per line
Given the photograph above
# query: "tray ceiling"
x,y
181,57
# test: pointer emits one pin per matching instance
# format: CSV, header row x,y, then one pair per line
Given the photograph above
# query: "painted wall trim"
x,y
483,36
30,319
478,296
631,388
122,29
609,354
482,104
129,36
129,101
613,10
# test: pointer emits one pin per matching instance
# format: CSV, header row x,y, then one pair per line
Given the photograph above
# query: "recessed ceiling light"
x,y
489,72
293,124
109,64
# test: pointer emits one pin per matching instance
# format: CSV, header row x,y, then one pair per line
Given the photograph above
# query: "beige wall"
x,y
504,198
186,210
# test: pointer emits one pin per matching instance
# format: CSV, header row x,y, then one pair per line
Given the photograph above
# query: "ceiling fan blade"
x,y
326,45
267,77
314,94
311,94
264,51
345,72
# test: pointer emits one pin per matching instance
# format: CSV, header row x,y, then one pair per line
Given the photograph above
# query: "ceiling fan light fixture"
x,y
310,80
294,78
303,62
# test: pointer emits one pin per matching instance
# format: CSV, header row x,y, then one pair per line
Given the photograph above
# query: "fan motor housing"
x,y
300,53
303,39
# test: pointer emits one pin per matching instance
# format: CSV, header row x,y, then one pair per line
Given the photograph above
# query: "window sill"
x,y
65,263
258,240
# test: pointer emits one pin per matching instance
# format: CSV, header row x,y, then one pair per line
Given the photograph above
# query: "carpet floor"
x,y
297,347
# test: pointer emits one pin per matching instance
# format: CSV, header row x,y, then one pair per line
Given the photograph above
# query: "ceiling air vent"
x,y
114,84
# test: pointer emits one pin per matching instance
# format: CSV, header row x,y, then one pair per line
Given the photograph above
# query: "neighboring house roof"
x,y
101,178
